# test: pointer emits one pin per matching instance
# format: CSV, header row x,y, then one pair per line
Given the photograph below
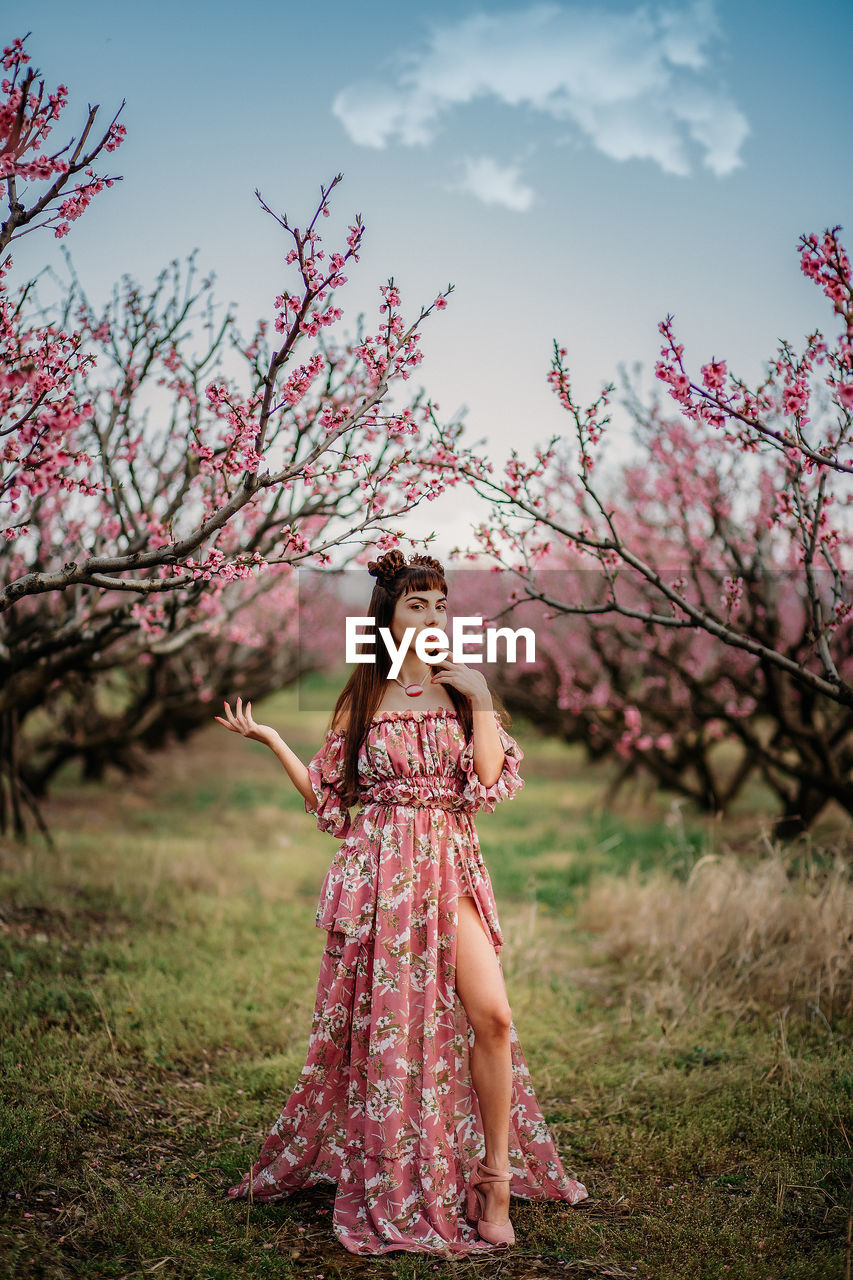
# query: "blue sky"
x,y
577,171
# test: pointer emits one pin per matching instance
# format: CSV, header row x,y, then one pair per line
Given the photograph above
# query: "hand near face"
x,y
464,678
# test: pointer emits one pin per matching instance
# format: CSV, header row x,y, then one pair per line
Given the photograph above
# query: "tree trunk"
x,y
14,792
800,812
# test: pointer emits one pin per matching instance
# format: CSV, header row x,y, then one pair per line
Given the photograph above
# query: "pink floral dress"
x,y
384,1106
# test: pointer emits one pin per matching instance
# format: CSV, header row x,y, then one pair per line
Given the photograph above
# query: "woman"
x,y
414,1069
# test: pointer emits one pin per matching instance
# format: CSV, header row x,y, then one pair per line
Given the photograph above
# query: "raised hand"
x,y
241,721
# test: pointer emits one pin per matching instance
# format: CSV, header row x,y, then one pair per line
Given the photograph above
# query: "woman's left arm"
x,y
488,752
489,755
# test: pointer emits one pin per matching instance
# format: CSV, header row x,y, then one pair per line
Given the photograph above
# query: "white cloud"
x,y
494,183
636,85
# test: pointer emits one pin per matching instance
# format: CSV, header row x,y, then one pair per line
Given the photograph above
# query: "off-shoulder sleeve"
x,y
326,772
509,781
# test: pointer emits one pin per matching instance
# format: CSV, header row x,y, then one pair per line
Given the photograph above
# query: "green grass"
x,y
160,972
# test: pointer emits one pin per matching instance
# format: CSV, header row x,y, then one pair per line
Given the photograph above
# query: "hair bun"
x,y
392,563
429,561
387,566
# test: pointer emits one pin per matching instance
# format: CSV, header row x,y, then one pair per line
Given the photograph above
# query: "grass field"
x,y
683,991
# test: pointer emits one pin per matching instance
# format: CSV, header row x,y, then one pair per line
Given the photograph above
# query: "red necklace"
x,y
414,690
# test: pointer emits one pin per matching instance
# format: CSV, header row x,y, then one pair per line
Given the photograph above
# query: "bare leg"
x,y
480,986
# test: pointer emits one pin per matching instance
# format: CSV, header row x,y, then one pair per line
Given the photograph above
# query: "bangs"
x,y
420,577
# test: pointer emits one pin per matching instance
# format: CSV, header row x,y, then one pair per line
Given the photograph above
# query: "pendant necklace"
x,y
414,690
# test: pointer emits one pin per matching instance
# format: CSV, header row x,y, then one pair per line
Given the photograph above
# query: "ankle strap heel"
x,y
482,1175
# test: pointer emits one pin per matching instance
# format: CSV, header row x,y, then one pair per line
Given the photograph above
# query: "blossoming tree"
x,y
716,603
147,485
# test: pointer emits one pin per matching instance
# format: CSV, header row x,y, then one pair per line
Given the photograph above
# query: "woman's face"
x,y
418,609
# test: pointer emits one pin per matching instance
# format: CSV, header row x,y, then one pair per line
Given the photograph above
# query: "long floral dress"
x,y
384,1106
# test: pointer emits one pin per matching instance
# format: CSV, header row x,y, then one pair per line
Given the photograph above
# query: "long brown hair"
x,y
363,692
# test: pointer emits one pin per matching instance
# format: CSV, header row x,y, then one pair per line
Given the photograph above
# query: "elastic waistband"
x,y
428,791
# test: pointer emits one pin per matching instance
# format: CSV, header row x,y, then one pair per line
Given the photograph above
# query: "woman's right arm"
x,y
241,721
297,771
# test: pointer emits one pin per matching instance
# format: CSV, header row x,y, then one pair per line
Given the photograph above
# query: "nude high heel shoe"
x,y
478,1175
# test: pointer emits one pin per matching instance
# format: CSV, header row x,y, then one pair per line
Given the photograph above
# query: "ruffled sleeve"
x,y
509,781
326,772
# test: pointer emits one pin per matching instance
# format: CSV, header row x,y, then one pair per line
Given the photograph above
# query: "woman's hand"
x,y
240,721
465,679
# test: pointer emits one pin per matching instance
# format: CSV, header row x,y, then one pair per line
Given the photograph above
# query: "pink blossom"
x,y
714,374
844,391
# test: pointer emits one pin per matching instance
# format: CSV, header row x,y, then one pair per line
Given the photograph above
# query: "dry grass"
x,y
740,933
